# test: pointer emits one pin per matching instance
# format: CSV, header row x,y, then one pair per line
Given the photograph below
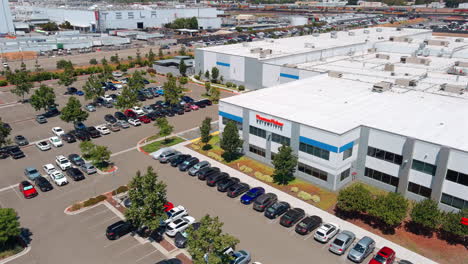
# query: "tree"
x,y
285,163
139,61
426,214
207,75
37,66
9,225
183,81
390,208
451,223
67,77
453,3
104,61
215,94
193,23
66,25
23,66
355,198
182,51
239,29
160,54
165,129
49,26
209,241
98,155
72,112
63,64
148,196
136,82
43,98
182,68
172,92
205,130
22,82
128,99
207,87
115,58
93,88
4,133
214,73
230,141
151,56
93,61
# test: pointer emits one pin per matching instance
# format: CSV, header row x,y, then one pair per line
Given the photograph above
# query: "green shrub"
x,y
266,178
241,88
295,189
121,189
197,77
316,198
76,207
3,83
304,196
90,202
100,198
234,85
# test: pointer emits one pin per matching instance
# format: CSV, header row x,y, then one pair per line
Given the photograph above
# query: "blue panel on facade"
x,y
232,117
223,64
347,146
290,76
318,144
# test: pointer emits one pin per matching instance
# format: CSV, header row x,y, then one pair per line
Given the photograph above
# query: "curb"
x,y
20,254
114,169
81,209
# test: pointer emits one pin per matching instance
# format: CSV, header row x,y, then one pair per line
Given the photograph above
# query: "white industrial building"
x,y
124,17
388,109
6,20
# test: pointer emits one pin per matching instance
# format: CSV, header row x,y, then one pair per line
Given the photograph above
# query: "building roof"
x,y
299,45
339,105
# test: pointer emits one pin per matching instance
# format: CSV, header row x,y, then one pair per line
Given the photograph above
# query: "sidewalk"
x,y
402,253
192,79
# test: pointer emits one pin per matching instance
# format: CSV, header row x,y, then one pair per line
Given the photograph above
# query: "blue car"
x,y
160,91
251,195
31,173
80,126
79,93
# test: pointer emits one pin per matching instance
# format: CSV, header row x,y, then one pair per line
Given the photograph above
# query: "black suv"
x,y
43,184
223,185
75,174
120,116
237,189
69,138
80,134
276,210
53,111
291,217
93,132
308,224
206,172
15,152
178,159
215,178
188,163
264,201
118,229
110,118
157,235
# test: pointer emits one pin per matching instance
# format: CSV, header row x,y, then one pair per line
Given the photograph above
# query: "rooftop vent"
x,y
437,42
290,65
406,82
382,87
372,50
256,50
451,88
366,31
389,67
417,60
399,29
378,29
459,40
333,34
265,52
309,45
335,74
382,56
351,33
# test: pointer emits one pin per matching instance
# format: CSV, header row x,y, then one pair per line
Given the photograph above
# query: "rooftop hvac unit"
x,y
382,87
351,33
335,74
461,63
315,34
366,31
245,44
309,45
372,50
451,88
399,29
391,38
382,56
256,50
403,59
290,65
459,40
406,82
333,35
389,67
378,29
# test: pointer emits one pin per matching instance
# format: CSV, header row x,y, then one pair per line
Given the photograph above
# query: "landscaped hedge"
x,y
121,189
94,200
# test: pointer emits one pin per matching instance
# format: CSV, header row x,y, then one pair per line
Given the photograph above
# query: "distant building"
x,y
371,4
6,20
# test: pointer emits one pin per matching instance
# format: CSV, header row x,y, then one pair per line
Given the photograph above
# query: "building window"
x,y
382,177
453,201
457,177
257,150
322,175
418,189
384,155
257,132
424,167
345,174
280,139
118,15
225,120
316,151
347,153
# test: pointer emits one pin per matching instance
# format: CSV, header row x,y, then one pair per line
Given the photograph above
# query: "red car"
x,y
130,113
385,256
168,207
144,119
27,189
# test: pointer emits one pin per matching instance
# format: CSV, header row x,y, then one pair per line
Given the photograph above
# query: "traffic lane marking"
x,y
117,240
140,259
129,249
103,222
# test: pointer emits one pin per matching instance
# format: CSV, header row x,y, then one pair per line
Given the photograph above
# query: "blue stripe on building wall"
x,y
223,64
290,76
230,116
318,144
347,146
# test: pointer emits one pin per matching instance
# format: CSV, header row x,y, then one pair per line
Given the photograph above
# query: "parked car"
x,y
49,168
27,189
58,178
103,130
264,201
113,127
251,195
223,185
75,174
291,217
88,168
237,189
69,138
15,152
43,145
326,232
63,162
187,164
58,131
206,172
120,116
123,124
41,119
213,179
31,173
55,141
170,261
197,167
80,134
363,248
93,132
71,91
175,213
308,224
241,257
21,140
147,109
76,159
385,255
194,107
144,119
178,159
43,184
137,110
163,158
134,122
4,153
180,239
179,225
157,235
110,118
118,229
80,126
117,74
53,111
341,242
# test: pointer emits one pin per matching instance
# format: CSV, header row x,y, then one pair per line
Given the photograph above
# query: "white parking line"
x,y
140,259
8,187
309,236
115,241
16,192
325,246
96,214
128,249
102,222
